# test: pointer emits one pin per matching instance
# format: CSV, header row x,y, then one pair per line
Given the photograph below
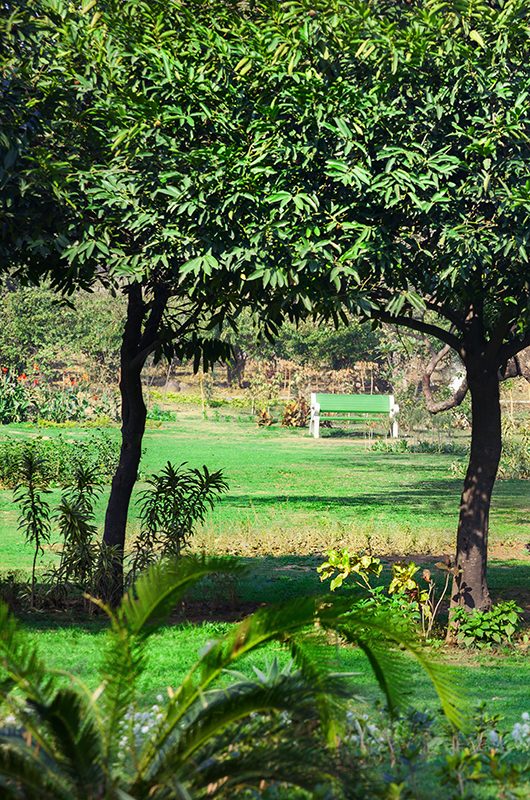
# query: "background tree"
x,y
37,328
402,130
146,141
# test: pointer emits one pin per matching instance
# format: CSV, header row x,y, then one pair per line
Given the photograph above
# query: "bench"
x,y
352,408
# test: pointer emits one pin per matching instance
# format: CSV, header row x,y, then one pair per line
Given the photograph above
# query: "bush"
x,y
515,456
486,628
158,414
403,446
14,397
59,457
175,501
296,414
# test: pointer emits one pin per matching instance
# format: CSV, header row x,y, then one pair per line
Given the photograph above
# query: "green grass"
x,y
292,494
501,680
290,499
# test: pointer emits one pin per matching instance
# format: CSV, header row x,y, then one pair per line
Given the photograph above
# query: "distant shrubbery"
x,y
32,398
59,457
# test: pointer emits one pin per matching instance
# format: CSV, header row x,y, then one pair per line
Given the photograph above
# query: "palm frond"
x,y
79,745
157,591
287,692
271,749
26,774
146,604
20,662
383,638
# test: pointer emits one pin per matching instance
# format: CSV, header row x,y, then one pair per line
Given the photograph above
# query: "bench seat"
x,y
352,408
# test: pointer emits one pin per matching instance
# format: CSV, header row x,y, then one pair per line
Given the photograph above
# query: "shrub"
x,y
175,501
485,628
296,414
14,397
160,414
34,518
68,404
413,602
59,457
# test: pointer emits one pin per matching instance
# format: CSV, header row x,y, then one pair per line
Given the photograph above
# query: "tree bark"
x,y
134,414
470,589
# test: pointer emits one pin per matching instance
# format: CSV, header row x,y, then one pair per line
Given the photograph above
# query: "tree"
x,y
402,129
148,153
303,158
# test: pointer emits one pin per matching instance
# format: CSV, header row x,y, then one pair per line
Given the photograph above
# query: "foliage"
x,y
14,398
264,418
177,498
34,518
39,329
403,594
515,456
59,457
344,564
78,533
296,414
61,404
69,742
487,628
160,414
515,459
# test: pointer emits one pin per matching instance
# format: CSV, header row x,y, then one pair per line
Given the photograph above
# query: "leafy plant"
x,y
59,457
14,397
160,414
296,413
177,498
414,602
61,404
75,518
34,519
486,628
264,418
341,564
208,738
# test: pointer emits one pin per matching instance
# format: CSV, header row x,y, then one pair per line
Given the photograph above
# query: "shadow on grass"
x,y
277,579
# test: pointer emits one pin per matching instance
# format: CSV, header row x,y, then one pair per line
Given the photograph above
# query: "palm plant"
x,y
210,739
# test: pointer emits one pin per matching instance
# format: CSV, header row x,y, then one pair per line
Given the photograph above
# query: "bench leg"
x,y
316,427
395,429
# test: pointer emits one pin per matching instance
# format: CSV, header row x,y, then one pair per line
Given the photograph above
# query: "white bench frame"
x,y
314,422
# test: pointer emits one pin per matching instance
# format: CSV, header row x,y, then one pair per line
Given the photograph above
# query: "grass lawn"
x,y
292,494
291,498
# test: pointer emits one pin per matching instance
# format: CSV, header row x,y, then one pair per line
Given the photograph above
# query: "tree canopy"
x,y
298,157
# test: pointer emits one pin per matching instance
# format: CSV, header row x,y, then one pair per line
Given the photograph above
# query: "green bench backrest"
x,y
373,403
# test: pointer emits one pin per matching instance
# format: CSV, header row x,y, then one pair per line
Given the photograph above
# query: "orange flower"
x,y
4,370
23,377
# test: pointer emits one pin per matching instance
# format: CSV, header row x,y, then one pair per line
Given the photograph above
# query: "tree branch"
x,y
511,349
456,319
150,347
516,368
443,405
418,325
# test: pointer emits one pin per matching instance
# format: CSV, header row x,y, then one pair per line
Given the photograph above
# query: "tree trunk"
x,y
133,426
470,589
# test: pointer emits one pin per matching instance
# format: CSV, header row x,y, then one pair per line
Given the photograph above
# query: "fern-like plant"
x,y
210,739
